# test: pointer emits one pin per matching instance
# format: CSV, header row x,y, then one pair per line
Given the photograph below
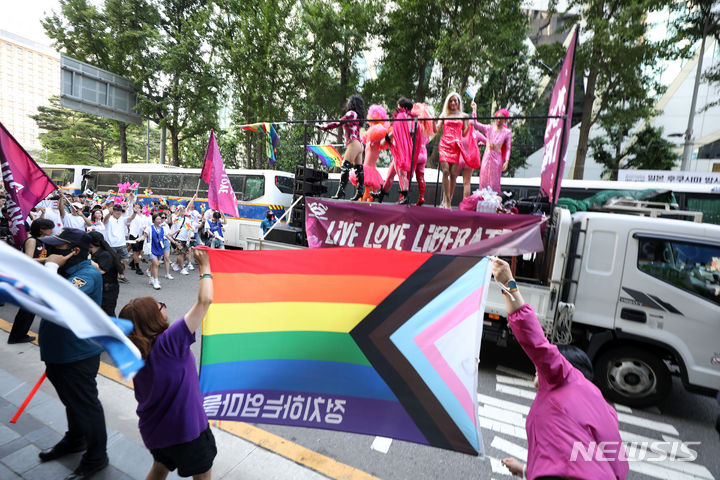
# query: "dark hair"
x,y
147,320
156,215
217,215
577,359
357,105
40,224
405,103
92,213
97,239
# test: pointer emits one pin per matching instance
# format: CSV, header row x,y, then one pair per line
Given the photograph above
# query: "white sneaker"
x,y
156,284
184,271
169,277
148,273
150,280
190,266
175,267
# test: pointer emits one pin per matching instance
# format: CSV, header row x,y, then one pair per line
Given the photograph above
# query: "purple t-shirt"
x,y
167,390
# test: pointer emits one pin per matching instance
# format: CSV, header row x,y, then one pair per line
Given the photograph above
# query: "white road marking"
x,y
514,381
622,408
502,415
506,404
504,428
514,373
657,471
645,423
512,449
518,392
381,444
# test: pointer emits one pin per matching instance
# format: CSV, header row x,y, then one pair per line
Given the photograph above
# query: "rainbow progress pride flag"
x,y
372,341
329,156
271,137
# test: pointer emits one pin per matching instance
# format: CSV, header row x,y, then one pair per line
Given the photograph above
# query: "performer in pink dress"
x,y
351,122
450,146
472,155
427,130
374,141
497,149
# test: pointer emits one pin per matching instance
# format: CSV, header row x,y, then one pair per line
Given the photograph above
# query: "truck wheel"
x,y
632,377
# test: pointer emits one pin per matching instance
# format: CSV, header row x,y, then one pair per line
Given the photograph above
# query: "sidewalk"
x,y
43,423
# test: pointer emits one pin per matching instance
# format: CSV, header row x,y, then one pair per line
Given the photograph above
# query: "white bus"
x,y
699,198
68,177
257,191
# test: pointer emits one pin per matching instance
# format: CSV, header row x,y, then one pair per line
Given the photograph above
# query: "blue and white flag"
x,y
31,286
471,91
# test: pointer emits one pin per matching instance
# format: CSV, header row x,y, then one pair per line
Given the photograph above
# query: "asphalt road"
x,y
505,396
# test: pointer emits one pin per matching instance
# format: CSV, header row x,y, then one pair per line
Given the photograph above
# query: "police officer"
x,y
71,363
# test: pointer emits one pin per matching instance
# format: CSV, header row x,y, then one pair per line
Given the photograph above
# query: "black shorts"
x,y
190,458
138,245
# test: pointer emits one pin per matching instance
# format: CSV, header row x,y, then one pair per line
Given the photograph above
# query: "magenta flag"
x,y
26,184
220,193
557,131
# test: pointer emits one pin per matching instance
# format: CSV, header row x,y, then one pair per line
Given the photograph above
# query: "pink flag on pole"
x,y
220,193
26,184
557,131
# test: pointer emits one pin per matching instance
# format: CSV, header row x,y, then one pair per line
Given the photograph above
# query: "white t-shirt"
x,y
138,224
74,221
183,234
115,230
52,213
208,215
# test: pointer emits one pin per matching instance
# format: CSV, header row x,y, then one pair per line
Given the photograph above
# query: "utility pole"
x,y
688,147
147,142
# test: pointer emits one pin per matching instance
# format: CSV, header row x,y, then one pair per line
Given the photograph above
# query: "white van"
x,y
641,295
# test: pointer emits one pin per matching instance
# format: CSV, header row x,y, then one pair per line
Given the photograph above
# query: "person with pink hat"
x,y
497,149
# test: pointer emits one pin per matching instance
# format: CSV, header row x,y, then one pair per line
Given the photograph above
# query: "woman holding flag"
x,y
172,421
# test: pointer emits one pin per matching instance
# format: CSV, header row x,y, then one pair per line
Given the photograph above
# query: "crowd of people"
x,y
407,134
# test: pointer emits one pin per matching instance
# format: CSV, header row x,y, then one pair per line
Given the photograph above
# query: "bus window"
x,y
61,176
190,184
237,182
165,184
284,184
142,178
254,187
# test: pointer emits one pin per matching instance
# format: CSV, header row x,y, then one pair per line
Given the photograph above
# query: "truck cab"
x,y
641,295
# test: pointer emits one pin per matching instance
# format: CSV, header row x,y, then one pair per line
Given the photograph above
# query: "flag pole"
x,y
27,400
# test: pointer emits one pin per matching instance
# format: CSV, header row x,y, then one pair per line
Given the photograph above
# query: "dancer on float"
x,y
351,122
450,146
427,131
401,148
374,141
471,160
497,149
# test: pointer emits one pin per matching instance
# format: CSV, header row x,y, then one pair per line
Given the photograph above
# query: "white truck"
x,y
640,295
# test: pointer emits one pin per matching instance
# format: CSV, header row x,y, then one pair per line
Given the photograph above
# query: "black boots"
x,y
344,177
404,200
360,177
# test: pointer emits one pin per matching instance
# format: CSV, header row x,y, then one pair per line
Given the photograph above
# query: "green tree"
x,y
649,150
621,65
73,137
182,89
113,38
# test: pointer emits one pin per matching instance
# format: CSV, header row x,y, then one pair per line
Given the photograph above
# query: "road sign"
x,y
89,89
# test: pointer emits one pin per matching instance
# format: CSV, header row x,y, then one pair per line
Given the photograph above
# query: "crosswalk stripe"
x,y
648,424
656,471
514,373
518,392
381,444
510,448
504,428
506,404
514,381
622,408
513,418
497,466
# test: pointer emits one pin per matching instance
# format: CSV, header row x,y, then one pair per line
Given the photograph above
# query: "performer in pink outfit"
x,y
374,141
427,131
472,154
450,146
351,122
497,149
568,409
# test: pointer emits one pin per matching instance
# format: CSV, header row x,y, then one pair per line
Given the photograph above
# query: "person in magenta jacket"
x,y
569,412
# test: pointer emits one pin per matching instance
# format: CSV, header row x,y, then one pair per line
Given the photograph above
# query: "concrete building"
x,y
29,76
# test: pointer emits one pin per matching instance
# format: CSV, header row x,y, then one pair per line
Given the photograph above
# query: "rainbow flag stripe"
x,y
329,156
342,339
271,137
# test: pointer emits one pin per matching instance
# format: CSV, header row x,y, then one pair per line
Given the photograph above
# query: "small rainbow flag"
x,y
271,137
329,156
372,341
